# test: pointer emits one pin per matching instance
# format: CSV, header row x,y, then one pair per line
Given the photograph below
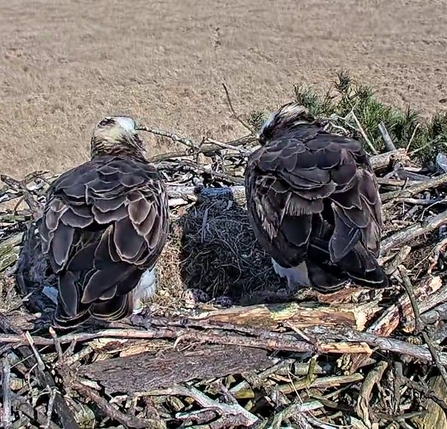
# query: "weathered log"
x,y
268,316
146,371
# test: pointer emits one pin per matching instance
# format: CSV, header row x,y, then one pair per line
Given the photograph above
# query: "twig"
x,y
399,259
392,345
174,137
419,325
321,383
402,237
409,289
246,419
425,185
19,186
107,408
50,409
362,131
234,112
6,390
373,378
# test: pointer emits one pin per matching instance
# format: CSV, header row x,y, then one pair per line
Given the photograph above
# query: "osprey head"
x,y
283,119
115,135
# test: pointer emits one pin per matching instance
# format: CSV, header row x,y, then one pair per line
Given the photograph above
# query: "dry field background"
x,y
66,63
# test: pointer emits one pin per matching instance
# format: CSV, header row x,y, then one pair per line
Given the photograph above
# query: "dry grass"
x,y
65,64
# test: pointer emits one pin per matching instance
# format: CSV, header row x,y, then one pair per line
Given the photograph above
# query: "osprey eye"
x,y
105,122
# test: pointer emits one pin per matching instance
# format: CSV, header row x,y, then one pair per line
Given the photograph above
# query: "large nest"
x,y
230,346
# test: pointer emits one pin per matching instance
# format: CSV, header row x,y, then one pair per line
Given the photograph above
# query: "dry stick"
x,y
43,376
174,137
362,131
107,408
402,237
416,189
234,112
389,145
419,326
6,380
320,383
287,342
284,342
372,379
399,259
410,292
247,419
19,186
425,304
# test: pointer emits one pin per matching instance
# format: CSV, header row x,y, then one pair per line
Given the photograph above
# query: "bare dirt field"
x,y
66,63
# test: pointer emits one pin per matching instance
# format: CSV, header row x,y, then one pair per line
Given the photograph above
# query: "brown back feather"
x,y
309,188
104,223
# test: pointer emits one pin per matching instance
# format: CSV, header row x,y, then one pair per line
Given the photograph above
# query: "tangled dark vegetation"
x,y
229,345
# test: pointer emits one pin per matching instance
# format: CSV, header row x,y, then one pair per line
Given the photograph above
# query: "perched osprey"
x,y
104,226
313,202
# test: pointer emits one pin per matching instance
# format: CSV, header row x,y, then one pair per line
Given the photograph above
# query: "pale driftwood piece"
x,y
146,371
6,393
425,185
389,145
402,237
383,160
320,383
270,315
385,344
246,419
391,318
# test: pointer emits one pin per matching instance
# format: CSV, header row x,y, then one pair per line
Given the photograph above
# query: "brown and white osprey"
x,y
104,226
313,202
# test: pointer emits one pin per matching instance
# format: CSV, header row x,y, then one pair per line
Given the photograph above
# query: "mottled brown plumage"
x,y
104,226
313,198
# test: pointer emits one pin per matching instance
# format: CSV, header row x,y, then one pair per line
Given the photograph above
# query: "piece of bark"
x,y
270,315
143,372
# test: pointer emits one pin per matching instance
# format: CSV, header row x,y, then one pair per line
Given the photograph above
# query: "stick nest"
x,y
229,346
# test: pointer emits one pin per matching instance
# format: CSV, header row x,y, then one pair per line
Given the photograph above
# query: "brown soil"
x,y
66,63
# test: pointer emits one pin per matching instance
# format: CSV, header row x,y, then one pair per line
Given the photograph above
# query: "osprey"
x,y
313,203
104,226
